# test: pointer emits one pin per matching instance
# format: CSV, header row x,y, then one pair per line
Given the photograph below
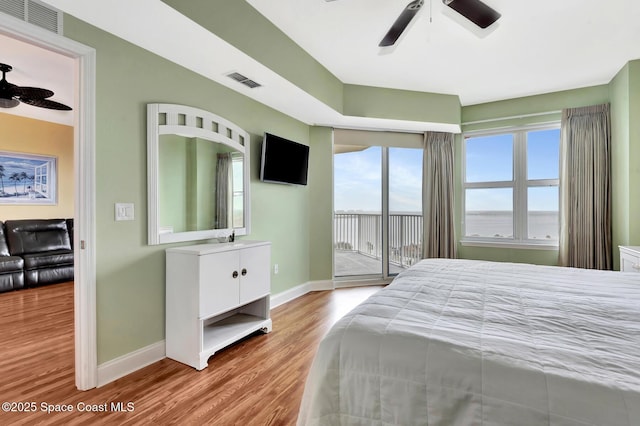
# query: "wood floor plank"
x,y
257,381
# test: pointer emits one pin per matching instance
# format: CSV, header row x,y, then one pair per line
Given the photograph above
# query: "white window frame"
x,y
519,184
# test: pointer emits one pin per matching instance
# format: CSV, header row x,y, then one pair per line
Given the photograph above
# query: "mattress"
x,y
464,342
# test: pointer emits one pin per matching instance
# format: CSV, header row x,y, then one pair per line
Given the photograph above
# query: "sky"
x,y
490,158
357,175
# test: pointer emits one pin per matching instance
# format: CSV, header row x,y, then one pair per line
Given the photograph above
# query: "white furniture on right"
x,y
216,294
629,258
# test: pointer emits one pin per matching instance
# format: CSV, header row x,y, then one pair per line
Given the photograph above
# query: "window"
x,y
511,182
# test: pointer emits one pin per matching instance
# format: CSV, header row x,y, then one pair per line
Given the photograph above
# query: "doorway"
x,y
84,193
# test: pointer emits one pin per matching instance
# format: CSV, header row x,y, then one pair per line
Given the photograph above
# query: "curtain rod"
x,y
513,117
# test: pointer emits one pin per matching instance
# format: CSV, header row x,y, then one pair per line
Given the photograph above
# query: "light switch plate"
x,y
124,211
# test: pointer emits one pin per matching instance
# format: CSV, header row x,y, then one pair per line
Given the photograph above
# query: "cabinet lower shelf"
x,y
221,334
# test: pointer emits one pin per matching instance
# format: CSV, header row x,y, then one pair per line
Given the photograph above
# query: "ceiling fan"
x,y
474,10
11,95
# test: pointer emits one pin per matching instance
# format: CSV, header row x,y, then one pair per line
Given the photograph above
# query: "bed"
x,y
464,342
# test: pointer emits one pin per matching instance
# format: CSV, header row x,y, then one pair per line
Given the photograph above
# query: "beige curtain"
x,y
437,196
585,194
223,191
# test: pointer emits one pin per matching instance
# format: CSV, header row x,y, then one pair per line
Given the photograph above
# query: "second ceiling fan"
x,y
12,95
474,10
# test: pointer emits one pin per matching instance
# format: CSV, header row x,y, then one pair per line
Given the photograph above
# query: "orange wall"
x,y
29,136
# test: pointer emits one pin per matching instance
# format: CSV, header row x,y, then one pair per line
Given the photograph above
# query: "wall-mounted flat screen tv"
x,y
283,161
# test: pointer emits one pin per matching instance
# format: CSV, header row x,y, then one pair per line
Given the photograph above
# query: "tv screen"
x,y
283,161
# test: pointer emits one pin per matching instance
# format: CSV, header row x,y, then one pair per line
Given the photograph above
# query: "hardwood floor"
x,y
258,381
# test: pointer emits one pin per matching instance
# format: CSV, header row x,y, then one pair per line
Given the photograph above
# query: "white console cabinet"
x,y
216,294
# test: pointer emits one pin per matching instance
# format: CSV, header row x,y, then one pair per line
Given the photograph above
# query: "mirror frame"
x,y
172,119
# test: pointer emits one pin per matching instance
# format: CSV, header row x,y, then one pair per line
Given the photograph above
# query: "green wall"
x,y
634,152
549,102
186,182
172,182
204,201
280,214
366,101
130,274
321,204
619,90
625,134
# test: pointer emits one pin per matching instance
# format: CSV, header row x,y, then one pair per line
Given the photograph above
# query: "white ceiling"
x,y
536,47
37,67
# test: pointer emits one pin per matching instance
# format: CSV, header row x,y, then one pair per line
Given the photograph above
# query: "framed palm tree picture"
x,y
27,178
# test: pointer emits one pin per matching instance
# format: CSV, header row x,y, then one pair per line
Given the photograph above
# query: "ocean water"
x,y
541,224
361,232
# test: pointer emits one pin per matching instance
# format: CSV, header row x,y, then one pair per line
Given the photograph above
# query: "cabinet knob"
x,y
244,272
235,274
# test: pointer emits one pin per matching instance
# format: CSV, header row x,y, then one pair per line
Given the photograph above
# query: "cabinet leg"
x,y
203,363
267,328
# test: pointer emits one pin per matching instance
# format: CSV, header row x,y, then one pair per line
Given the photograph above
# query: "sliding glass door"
x,y
358,211
405,208
378,210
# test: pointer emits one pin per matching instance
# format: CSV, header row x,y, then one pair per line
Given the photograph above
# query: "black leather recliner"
x,y
45,247
11,267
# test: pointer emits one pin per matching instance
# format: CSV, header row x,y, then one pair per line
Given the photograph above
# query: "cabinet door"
x,y
219,290
255,267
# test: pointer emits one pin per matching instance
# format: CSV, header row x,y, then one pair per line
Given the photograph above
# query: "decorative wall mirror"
x,y
198,175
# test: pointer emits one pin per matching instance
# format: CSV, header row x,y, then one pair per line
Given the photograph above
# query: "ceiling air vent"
x,y
34,12
244,80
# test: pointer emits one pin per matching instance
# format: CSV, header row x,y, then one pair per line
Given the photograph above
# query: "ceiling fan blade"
x,y
401,23
475,11
32,92
45,103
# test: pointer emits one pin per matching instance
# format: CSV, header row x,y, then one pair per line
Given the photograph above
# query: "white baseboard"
x,y
322,285
301,290
128,363
365,283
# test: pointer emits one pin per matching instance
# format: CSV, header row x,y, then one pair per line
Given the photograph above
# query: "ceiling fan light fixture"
x,y
9,103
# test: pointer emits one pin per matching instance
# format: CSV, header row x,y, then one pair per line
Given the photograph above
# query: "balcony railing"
x,y
362,233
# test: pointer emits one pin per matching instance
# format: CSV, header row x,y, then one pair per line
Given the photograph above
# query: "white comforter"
x,y
462,342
